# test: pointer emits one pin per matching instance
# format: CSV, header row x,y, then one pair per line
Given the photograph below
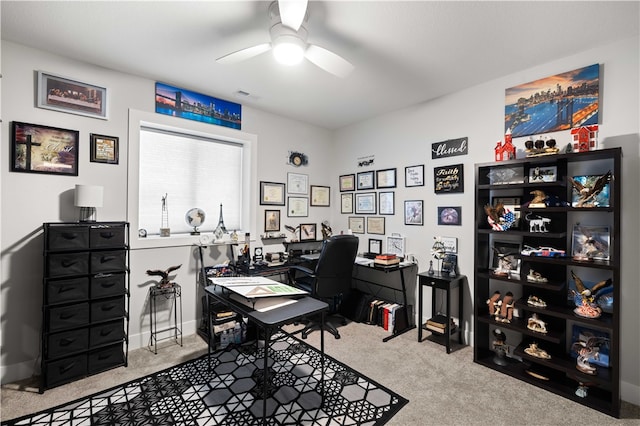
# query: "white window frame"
x,y
139,119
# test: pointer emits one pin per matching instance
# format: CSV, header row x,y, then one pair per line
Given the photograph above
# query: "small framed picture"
x,y
450,216
413,212
375,225
505,257
375,246
347,183
356,224
450,244
366,203
271,220
71,96
543,174
386,203
449,264
104,149
271,194
366,180
307,232
297,183
298,207
386,178
320,196
414,176
346,203
590,242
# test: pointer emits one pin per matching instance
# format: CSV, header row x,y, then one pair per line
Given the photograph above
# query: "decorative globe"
x,y
195,218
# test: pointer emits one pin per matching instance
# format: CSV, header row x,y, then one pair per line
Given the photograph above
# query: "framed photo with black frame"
x,y
590,242
366,180
308,232
44,149
104,149
320,196
298,207
271,193
365,203
346,203
375,246
356,224
271,220
386,178
413,212
510,252
386,202
347,183
375,225
414,176
450,216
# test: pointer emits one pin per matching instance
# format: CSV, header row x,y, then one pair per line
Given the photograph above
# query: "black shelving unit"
x,y
85,312
560,373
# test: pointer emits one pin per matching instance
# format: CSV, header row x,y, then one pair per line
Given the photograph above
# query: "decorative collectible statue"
x,y
499,347
588,349
164,282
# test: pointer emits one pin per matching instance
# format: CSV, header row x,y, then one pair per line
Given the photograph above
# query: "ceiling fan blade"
x,y
244,54
328,61
292,13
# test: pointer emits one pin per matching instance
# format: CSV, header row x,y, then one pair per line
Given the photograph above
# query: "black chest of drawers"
x,y
85,300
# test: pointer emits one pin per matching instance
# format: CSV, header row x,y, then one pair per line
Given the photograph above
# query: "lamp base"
x,y
88,214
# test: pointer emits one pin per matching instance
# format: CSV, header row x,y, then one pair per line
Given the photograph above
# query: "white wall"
x,y
28,200
403,138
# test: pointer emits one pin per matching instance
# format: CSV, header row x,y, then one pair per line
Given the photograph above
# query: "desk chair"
x,y
331,278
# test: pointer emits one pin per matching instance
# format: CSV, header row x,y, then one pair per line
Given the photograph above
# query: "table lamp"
x,y
88,197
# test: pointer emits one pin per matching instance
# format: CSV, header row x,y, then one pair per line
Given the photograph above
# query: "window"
x,y
194,165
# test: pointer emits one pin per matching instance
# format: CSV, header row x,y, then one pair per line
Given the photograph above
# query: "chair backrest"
x,y
335,265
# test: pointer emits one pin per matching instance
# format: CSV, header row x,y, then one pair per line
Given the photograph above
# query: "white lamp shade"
x,y
88,196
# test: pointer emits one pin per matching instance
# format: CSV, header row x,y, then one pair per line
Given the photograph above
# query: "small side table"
x,y
174,295
445,283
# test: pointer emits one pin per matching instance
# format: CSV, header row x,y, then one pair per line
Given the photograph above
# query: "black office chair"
x,y
331,278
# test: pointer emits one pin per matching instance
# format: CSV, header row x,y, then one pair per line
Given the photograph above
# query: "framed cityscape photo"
x,y
366,203
366,180
347,183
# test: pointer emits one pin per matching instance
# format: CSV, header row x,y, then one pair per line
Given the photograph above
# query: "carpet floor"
x,y
227,389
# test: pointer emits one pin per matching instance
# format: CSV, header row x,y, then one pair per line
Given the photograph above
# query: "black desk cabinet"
x,y
558,374
85,300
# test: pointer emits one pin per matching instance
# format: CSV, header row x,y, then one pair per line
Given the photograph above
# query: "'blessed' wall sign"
x,y
449,148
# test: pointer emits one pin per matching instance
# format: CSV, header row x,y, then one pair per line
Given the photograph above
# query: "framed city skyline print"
x,y
44,149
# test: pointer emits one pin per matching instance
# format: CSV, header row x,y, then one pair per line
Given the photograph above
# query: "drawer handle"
x,y
69,236
106,308
105,259
67,315
101,275
107,284
105,332
64,369
107,234
67,341
66,289
69,262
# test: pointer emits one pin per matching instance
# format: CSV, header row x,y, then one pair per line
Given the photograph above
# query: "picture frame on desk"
x,y
396,244
308,231
375,246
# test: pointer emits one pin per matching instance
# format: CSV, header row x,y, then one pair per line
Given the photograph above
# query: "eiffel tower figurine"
x,y
220,229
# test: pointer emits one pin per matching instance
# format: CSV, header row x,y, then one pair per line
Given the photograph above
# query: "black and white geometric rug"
x,y
231,394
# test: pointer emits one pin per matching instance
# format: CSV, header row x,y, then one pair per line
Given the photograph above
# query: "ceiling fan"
x,y
289,41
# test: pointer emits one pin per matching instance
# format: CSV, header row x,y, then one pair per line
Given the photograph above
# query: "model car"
x,y
543,252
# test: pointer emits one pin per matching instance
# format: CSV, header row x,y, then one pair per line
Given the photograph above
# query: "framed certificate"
x,y
375,225
320,196
297,183
386,178
375,246
386,202
298,207
346,203
271,194
366,203
366,180
347,183
356,224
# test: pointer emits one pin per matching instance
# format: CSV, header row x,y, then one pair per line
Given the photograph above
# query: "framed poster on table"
x,y
396,245
375,246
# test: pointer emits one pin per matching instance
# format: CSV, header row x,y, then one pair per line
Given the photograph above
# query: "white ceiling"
x,y
404,52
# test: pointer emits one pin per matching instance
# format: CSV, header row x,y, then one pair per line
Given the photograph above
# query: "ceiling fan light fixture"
x,y
288,50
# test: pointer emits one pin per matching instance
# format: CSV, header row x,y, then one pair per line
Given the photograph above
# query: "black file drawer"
x,y
67,342
74,289
105,358
107,309
106,333
108,261
109,236
68,238
105,285
67,264
65,370
68,316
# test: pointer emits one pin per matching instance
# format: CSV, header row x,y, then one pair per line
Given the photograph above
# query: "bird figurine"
x,y
588,294
326,229
164,282
539,198
588,348
499,217
588,193
293,231
505,261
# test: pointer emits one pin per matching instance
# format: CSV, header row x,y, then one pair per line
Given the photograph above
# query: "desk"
x,y
446,284
269,321
380,278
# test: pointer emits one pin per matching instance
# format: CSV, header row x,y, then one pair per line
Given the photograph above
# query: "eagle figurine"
x,y
587,194
164,282
589,294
